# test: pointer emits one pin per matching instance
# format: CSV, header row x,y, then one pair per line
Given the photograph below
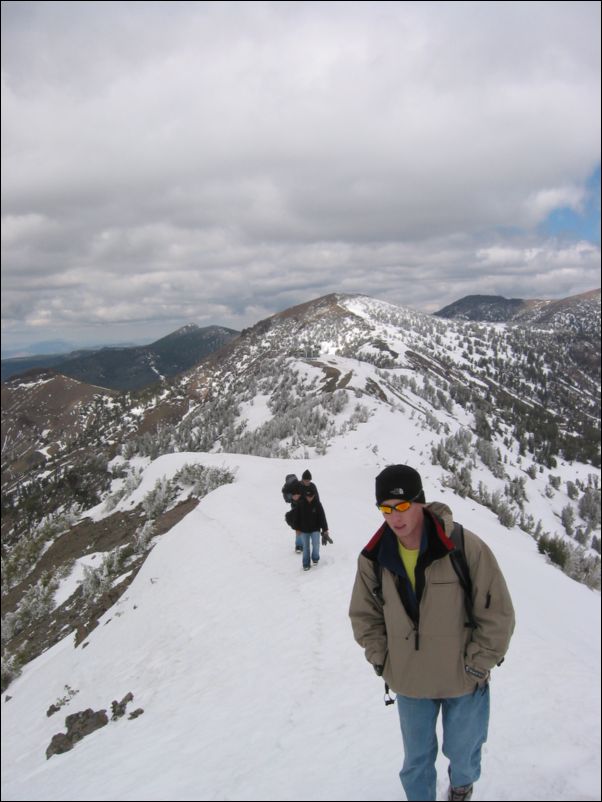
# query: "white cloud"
x,y
17,229
305,146
544,201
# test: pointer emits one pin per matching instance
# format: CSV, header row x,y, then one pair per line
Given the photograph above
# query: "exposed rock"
x,y
60,743
78,726
118,708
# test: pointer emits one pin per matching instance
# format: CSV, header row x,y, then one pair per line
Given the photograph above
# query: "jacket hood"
x,y
444,514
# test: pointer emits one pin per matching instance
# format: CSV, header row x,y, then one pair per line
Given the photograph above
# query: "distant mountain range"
x,y
129,368
135,367
578,313
556,371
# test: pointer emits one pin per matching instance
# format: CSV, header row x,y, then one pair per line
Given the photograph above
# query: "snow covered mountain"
x,y
371,348
238,659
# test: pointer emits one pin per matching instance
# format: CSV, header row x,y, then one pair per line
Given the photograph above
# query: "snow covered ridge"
x,y
235,655
503,418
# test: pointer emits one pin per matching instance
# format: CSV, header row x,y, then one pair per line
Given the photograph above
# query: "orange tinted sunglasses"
x,y
401,507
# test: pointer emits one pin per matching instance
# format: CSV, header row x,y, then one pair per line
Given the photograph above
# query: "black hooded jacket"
x,y
309,516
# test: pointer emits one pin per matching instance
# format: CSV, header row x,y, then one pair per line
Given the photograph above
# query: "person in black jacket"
x,y
309,520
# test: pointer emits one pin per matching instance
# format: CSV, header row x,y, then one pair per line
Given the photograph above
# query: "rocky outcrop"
x,y
86,721
78,726
118,708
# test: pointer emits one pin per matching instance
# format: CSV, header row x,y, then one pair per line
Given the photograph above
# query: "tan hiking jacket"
x,y
425,654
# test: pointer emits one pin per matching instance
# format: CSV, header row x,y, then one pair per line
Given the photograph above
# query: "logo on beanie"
x,y
389,484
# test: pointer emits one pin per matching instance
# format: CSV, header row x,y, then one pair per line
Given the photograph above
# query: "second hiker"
x,y
309,520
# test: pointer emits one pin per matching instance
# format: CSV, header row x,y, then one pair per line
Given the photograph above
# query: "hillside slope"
x,y
251,683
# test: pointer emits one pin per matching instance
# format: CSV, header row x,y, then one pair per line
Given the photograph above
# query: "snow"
x,y
69,584
252,685
256,412
30,385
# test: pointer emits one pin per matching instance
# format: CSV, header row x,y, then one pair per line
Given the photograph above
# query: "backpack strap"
x,y
458,560
377,590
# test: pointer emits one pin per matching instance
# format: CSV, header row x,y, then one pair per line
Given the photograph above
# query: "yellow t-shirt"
x,y
409,558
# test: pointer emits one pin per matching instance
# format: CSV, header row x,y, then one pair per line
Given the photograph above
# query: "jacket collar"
x,y
437,543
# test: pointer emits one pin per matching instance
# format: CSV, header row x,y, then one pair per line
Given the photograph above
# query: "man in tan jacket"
x,y
432,645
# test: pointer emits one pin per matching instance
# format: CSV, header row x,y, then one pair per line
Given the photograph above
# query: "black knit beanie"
x,y
306,475
399,481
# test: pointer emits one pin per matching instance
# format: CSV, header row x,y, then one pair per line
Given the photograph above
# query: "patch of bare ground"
x,y
74,615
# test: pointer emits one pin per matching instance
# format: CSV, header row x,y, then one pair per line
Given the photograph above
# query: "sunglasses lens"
x,y
401,507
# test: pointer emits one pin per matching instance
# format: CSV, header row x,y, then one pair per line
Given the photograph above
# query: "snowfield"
x,y
251,683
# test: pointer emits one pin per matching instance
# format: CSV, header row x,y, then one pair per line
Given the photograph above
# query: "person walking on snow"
x,y
409,612
309,520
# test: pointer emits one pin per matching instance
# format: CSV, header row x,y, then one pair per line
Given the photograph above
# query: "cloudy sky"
x,y
215,162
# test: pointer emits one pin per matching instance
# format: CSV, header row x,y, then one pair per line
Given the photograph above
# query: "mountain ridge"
x,y
575,313
133,367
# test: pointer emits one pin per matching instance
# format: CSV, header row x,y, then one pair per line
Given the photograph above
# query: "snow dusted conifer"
x,y
567,516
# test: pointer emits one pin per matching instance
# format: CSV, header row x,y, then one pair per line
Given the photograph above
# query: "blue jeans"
x,y
315,547
465,722
298,541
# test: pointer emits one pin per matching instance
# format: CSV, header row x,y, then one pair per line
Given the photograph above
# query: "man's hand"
x,y
481,675
378,670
